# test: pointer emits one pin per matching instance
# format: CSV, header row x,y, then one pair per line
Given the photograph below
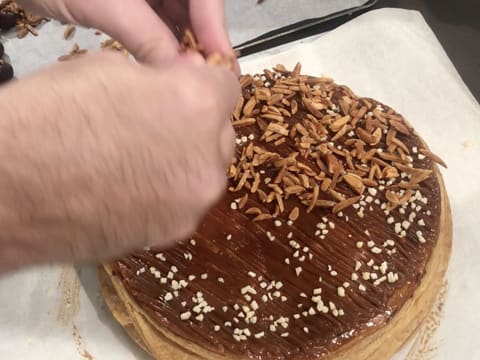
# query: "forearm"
x,y
51,167
97,157
28,112
70,166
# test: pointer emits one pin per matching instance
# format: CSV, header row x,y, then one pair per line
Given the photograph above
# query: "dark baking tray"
x,y
300,30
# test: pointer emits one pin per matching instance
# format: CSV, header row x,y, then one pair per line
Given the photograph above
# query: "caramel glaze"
x,y
251,250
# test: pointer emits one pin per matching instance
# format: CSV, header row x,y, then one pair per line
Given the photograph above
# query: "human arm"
x,y
99,156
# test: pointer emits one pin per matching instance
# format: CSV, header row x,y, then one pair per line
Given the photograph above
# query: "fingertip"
x,y
208,21
140,30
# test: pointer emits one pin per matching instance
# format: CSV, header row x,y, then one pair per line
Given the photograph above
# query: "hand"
x,y
148,28
111,157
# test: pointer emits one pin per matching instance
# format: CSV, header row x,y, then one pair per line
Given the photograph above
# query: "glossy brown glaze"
x,y
234,254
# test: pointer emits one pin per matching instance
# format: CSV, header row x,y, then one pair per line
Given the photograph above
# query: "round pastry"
x,y
331,242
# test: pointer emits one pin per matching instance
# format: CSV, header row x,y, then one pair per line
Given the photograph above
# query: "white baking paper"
x,y
391,55
247,20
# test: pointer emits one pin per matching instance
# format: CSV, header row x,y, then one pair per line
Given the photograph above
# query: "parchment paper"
x,y
391,55
247,20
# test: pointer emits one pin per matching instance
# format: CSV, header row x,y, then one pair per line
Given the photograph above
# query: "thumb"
x,y
134,23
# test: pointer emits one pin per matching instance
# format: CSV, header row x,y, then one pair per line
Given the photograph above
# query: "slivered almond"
x,y
244,122
304,180
405,185
397,199
69,31
296,70
22,32
309,105
276,212
339,123
272,137
295,189
280,204
238,108
344,106
276,128
287,181
390,136
336,195
389,157
253,211
278,90
307,169
393,197
365,136
269,75
316,191
340,133
258,83
249,106
293,107
390,172
256,183
242,181
274,110
273,117
270,197
293,216
262,94
301,129
369,182
243,201
232,171
262,217
377,135
325,184
401,145
420,175
285,112
379,115
433,157
345,204
246,80
275,99
368,155
276,188
359,114
348,158
249,151
400,127
322,203
355,182
280,68
278,179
